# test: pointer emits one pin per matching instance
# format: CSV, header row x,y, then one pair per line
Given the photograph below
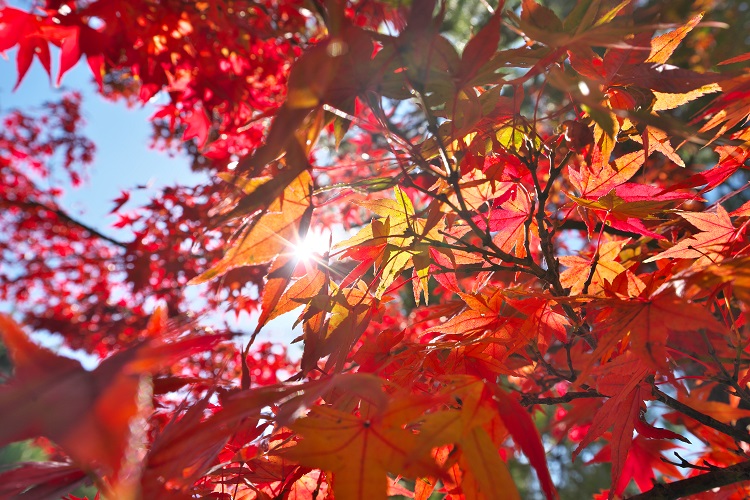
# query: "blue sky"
x,y
123,158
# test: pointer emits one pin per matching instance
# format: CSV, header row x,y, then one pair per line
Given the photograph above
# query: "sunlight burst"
x,y
316,243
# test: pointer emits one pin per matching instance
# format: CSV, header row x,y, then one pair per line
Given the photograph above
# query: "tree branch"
x,y
581,226
527,400
708,421
67,218
697,484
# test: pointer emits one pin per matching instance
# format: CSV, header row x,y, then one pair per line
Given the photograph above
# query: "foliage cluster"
x,y
537,256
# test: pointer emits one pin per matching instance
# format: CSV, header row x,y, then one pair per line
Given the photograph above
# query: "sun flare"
x,y
314,244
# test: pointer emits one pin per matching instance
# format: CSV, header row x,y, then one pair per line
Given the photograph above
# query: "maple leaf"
x,y
93,410
663,46
275,230
700,399
729,271
188,445
622,381
23,29
540,23
360,450
646,322
642,61
485,311
198,127
730,108
543,325
717,233
485,467
665,101
638,201
480,48
484,473
120,201
654,139
643,457
607,268
710,178
395,236
507,224
627,205
349,313
40,480
525,434
664,78
331,72
169,460
600,177
262,192
91,425
278,299
78,40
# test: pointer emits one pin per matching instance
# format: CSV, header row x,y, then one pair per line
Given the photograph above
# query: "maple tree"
x,y
536,255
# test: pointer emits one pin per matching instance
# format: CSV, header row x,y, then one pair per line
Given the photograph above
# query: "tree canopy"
x,y
535,245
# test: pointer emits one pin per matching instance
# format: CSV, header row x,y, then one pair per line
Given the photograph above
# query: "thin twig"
x,y
727,377
687,465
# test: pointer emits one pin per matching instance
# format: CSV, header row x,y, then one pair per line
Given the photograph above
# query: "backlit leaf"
x,y
360,450
664,45
276,230
716,235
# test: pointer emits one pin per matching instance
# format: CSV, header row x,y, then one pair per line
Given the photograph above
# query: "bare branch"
x,y
708,421
67,218
697,484
528,400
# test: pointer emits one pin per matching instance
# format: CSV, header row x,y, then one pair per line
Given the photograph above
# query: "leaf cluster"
x,y
536,253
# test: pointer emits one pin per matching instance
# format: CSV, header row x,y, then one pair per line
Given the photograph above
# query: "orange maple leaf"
x,y
708,246
359,450
607,269
276,229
